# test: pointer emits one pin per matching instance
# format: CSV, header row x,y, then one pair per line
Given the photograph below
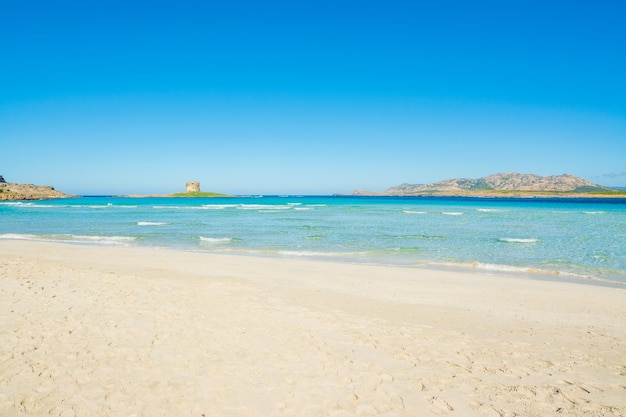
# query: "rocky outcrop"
x,y
507,183
13,191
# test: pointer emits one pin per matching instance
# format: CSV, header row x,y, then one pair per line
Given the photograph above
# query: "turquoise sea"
x,y
554,238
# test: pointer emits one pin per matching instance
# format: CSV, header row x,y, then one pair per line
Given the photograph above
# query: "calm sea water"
x,y
563,238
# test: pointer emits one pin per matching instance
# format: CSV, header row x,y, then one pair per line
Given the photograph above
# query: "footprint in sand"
x,y
441,405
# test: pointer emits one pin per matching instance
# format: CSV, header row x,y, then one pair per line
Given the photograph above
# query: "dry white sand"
x,y
97,331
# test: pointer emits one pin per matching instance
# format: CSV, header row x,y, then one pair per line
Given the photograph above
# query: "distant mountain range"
x,y
502,184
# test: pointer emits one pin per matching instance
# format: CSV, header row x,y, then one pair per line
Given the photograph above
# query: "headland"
x,y
14,191
504,185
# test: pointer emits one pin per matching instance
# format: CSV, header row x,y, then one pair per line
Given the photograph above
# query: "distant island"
x,y
13,191
508,184
190,194
192,189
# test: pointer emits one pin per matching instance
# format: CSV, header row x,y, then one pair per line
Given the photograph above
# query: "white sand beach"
x,y
111,331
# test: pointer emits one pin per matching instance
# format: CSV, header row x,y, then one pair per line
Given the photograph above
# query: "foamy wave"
x,y
105,240
413,212
29,204
217,206
532,271
202,207
101,206
520,270
420,237
151,223
593,212
517,240
452,213
303,208
265,207
16,236
216,240
15,203
484,210
489,267
102,239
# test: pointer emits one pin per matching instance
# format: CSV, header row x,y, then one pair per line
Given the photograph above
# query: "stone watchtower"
x,y
193,187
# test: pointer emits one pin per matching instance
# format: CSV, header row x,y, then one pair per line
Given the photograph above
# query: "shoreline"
x,y
115,331
472,268
465,268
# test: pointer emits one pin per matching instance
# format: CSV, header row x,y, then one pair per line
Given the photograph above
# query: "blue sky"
x,y
308,97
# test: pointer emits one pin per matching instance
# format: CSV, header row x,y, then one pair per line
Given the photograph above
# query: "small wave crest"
x,y
28,205
101,206
452,213
151,223
413,212
103,239
217,206
419,237
517,240
265,207
202,207
15,203
216,240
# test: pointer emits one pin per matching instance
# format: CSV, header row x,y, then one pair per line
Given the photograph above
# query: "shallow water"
x,y
558,237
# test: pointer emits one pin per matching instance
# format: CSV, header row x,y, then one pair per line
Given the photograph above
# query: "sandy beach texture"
x,y
109,331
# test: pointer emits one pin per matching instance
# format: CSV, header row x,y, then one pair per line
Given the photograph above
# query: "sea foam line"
x,y
519,270
516,270
151,223
106,240
29,205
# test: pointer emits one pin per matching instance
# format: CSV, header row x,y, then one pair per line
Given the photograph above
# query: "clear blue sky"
x,y
308,97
